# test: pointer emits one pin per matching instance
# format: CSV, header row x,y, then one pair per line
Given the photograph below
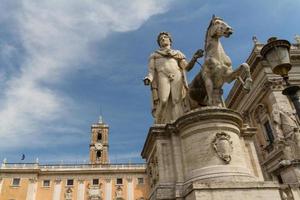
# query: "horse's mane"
x,y
208,29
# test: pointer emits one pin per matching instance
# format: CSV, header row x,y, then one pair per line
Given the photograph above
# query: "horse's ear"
x,y
213,16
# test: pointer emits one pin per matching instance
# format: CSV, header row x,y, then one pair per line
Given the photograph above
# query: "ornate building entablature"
x,y
273,84
263,78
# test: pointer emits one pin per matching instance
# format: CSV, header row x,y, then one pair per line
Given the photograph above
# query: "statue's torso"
x,y
166,65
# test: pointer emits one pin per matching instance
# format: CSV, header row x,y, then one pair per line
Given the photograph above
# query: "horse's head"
x,y
218,28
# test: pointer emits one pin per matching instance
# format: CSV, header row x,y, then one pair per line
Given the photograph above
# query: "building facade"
x,y
94,181
274,117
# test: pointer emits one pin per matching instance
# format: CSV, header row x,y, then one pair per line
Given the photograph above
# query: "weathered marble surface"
x,y
167,77
206,87
206,146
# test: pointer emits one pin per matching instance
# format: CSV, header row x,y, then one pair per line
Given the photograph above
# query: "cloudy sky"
x,y
63,63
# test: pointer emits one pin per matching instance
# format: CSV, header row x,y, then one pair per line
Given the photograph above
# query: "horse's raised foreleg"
x,y
237,73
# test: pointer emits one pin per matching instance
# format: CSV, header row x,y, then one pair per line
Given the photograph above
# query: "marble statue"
x,y
284,122
286,130
206,88
167,78
68,194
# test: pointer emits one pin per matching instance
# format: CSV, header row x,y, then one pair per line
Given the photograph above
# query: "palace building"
x,y
97,180
273,156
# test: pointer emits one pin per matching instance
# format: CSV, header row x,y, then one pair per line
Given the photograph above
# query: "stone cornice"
x,y
209,113
157,130
128,168
248,132
271,163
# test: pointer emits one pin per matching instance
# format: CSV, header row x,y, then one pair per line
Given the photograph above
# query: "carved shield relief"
x,y
223,146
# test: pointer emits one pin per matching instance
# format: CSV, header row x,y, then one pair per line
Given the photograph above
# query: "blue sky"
x,y
63,62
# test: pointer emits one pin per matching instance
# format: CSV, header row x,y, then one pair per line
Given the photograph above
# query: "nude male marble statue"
x,y
167,78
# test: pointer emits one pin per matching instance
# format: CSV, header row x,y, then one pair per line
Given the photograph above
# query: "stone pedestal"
x,y
201,156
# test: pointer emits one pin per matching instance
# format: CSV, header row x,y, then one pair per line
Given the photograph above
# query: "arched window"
x,y
99,136
98,154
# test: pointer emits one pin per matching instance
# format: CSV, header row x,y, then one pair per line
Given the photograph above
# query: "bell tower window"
x,y
99,136
98,154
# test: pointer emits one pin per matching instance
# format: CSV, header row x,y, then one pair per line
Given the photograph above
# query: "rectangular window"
x,y
16,182
119,181
95,181
269,132
140,180
70,182
46,183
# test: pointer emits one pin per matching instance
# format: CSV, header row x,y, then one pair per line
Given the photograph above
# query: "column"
x,y
130,194
80,191
57,189
32,188
1,183
108,189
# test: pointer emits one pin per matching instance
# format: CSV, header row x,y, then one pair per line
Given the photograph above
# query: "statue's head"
x,y
163,34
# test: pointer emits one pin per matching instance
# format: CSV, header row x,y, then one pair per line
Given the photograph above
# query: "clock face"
x,y
98,146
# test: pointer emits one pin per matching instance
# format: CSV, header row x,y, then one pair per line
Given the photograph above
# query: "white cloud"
x,y
55,36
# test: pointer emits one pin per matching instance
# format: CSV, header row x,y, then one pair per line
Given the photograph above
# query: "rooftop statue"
x,y
206,88
167,78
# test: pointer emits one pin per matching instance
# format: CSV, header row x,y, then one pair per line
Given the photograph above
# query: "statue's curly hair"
x,y
163,33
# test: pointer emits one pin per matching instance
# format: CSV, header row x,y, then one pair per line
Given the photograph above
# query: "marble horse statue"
x,y
206,87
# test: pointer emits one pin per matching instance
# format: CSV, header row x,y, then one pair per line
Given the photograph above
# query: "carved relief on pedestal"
x,y
152,171
223,146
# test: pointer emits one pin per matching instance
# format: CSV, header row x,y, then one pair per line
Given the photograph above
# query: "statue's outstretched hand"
x,y
198,54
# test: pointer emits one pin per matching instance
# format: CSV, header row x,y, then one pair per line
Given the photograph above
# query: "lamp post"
x,y
277,54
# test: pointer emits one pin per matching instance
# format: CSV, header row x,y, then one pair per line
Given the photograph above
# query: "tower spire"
x,y
100,121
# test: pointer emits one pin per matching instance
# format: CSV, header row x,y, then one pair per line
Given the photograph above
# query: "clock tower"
x,y
99,143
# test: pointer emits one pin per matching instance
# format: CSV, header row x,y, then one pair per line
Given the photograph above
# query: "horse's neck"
x,y
215,49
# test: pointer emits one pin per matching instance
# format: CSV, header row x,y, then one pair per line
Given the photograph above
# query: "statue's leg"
x,y
164,93
176,96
